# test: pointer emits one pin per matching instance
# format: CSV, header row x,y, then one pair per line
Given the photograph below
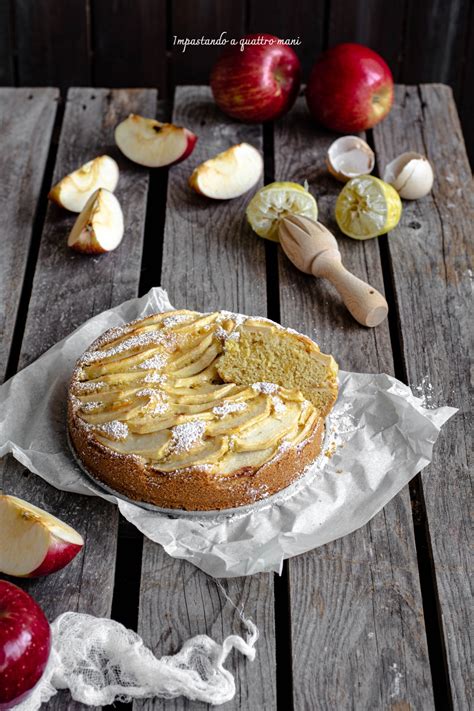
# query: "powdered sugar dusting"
x,y
154,378
238,319
139,340
147,392
158,400
160,407
157,361
266,388
192,468
425,390
90,406
394,689
340,424
278,404
224,335
113,334
114,429
284,446
221,334
87,387
170,321
186,435
228,407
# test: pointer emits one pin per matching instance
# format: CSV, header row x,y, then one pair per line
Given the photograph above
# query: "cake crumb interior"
x,y
275,356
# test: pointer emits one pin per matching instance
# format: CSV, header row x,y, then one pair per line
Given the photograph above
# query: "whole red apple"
x,y
257,80
25,643
350,88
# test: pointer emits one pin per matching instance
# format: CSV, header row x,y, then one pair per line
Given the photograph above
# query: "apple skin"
x,y
25,644
350,88
59,554
257,84
191,142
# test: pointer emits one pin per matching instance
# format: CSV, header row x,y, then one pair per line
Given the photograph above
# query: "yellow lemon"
x,y
273,202
367,207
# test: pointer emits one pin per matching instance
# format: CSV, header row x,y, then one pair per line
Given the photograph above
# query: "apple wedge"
x,y
228,175
153,144
99,227
32,541
75,189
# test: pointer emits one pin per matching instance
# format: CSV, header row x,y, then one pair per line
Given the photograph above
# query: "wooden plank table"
x,y
376,620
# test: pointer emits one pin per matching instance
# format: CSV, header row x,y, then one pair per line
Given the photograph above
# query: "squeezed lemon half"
x,y
276,200
367,207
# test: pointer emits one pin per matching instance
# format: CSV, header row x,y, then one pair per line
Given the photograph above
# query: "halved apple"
x,y
75,189
99,227
32,541
228,175
153,144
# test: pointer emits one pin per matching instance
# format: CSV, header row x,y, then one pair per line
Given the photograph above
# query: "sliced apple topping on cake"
x,y
191,410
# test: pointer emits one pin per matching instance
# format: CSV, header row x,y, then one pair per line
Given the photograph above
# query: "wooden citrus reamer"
x,y
313,250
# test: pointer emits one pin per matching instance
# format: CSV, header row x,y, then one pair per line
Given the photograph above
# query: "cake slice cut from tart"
x,y
200,411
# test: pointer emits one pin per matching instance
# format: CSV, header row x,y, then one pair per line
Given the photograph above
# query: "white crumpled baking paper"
x,y
379,436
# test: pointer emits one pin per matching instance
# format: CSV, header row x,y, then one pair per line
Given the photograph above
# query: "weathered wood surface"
x,y
69,288
210,261
431,257
356,608
26,124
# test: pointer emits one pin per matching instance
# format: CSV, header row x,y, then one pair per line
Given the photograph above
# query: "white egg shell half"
x,y
411,175
349,157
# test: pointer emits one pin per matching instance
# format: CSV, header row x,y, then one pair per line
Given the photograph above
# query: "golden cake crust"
x,y
196,487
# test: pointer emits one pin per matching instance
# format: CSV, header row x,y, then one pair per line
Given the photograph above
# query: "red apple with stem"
x,y
25,643
350,88
257,80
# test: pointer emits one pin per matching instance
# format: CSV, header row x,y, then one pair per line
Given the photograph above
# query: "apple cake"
x,y
196,411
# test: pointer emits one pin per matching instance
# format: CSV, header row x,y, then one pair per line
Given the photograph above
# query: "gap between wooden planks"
x,y
356,608
431,257
210,261
26,119
69,288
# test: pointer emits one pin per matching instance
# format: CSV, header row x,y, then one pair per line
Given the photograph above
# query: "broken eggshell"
x,y
348,157
411,175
